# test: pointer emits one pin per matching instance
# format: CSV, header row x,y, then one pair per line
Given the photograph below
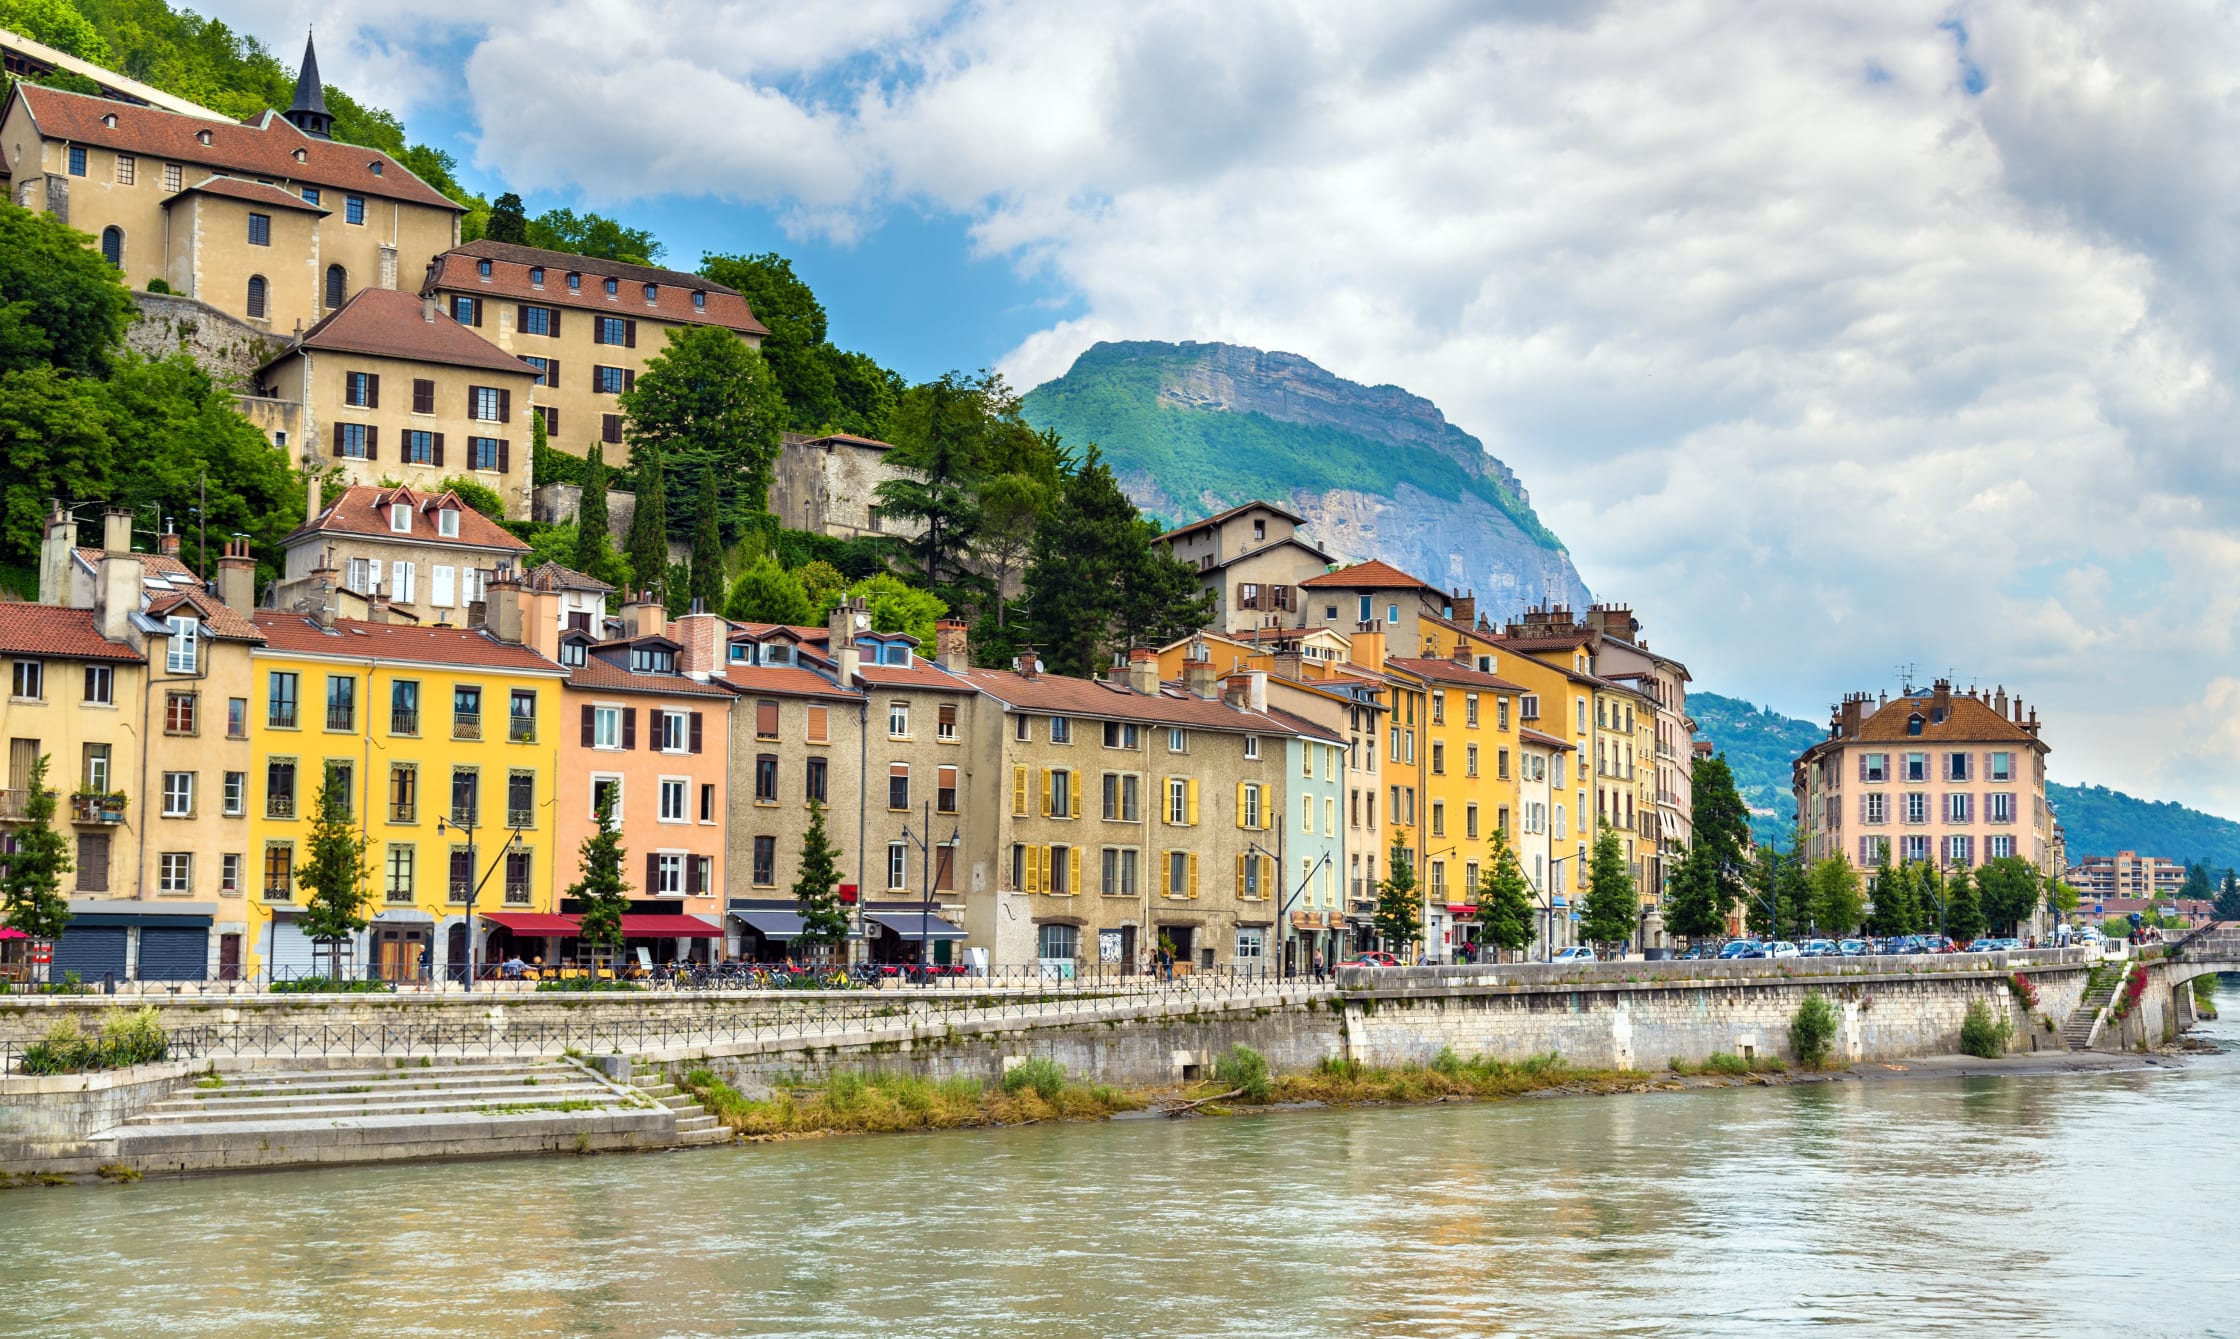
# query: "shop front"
x,y
912,933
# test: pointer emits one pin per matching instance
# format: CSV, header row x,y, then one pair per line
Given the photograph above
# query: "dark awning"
x,y
916,925
773,924
143,919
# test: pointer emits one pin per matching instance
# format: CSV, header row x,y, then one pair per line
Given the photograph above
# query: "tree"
x,y
706,585
824,922
1692,909
2007,890
707,403
478,495
2197,886
592,235
508,221
592,541
1963,913
1097,580
1011,509
31,898
1836,899
938,470
649,526
61,304
1505,910
601,892
1894,909
1722,824
825,389
1612,905
1399,914
1779,899
1930,896
2228,898
768,593
334,870
2061,899
897,606
823,585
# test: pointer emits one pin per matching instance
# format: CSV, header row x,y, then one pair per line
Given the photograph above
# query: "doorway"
x,y
398,951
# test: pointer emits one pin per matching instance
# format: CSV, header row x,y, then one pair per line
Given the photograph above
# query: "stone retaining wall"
x,y
47,1123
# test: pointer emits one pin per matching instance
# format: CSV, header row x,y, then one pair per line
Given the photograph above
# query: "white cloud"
x,y
1823,358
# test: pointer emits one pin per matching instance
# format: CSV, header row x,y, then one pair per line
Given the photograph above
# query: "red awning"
x,y
1462,908
533,922
668,927
11,932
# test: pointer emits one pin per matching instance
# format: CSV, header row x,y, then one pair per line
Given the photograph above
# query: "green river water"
x,y
2073,1205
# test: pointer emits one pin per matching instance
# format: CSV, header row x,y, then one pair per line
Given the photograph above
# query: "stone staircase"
x,y
2078,1027
410,1112
695,1125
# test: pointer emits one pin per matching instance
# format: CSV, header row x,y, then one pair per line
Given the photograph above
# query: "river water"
x,y
2073,1205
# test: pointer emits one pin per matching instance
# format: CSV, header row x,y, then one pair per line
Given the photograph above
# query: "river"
x,y
2074,1205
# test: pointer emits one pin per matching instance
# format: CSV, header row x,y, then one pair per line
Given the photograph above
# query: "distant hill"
x,y
1760,744
1192,429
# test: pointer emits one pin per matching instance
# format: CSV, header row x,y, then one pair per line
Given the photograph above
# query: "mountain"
x,y
1760,744
1192,429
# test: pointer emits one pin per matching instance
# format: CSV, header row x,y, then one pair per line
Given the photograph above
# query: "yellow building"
x,y
447,742
1470,772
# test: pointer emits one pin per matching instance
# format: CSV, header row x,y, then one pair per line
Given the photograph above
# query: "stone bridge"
x,y
2149,1000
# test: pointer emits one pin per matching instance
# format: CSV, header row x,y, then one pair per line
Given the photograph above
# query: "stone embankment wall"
x,y
225,346
45,1122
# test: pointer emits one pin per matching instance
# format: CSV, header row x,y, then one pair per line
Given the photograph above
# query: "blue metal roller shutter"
x,y
174,954
95,953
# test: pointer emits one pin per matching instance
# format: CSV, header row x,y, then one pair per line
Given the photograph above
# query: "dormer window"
x,y
738,653
700,300
653,660
575,283
447,522
109,119
180,658
482,267
777,653
613,288
536,276
400,517
1913,724
202,137
301,156
376,166
571,653
653,294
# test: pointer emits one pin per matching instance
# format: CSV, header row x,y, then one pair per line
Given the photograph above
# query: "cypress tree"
x,y
1505,910
591,514
1612,904
334,869
2228,898
602,890
705,583
824,922
31,897
649,526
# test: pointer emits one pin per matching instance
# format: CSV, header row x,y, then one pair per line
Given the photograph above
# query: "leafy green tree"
x,y
2007,889
601,891
1778,884
2197,886
593,235
477,495
768,593
1693,908
2228,898
508,221
649,524
1932,896
2061,899
824,921
710,405
1011,509
822,584
1722,823
937,460
1612,906
1895,911
55,23
1399,914
707,548
796,321
61,305
31,898
334,871
1097,579
897,606
1505,910
1963,913
1837,898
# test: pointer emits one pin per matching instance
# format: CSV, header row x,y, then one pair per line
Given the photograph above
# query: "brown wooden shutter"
x,y
552,421
692,874
766,720
477,311
695,733
610,427
338,440
629,334
470,403
629,380
556,323
505,456
439,449
521,316
505,405
629,727
373,443
551,375
423,396
373,390
589,714
653,872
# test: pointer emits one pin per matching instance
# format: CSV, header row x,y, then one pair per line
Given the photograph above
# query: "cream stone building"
x,y
427,557
585,327
1252,560
829,485
384,388
268,220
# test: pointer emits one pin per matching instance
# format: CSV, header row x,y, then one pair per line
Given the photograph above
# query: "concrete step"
x,y
313,1083
174,1113
280,1071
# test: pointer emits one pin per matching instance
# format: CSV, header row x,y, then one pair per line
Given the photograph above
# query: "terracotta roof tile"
x,y
363,509
567,578
918,674
1372,575
457,271
1967,720
785,681
1450,671
219,619
263,147
468,647
596,675
163,578
254,192
1218,517
51,630
389,324
1563,642
1061,694
1532,736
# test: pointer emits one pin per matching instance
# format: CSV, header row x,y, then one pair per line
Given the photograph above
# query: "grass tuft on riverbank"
x,y
889,1103
1344,1082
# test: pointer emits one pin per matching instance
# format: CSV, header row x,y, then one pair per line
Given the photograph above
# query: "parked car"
x,y
1740,948
1854,948
1984,945
1820,948
1576,953
1696,952
1374,958
1782,948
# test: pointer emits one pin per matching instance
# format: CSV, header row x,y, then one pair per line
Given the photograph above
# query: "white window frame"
x,y
400,581
178,794
898,720
898,865
668,873
1251,746
681,787
1178,739
447,522
182,653
236,794
400,518
175,872
599,779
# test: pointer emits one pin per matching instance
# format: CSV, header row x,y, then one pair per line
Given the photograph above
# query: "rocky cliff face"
x,y
1377,472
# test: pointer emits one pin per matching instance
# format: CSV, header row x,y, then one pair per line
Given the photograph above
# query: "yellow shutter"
x,y
1268,877
1193,862
1034,869
1190,788
1243,789
1019,790
1048,883
1046,792
1267,808
1073,870
1240,875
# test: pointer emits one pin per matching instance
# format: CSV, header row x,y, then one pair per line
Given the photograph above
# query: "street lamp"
x,y
1283,909
925,911
1548,905
512,844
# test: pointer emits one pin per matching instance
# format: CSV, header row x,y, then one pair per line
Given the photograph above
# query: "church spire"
x,y
308,113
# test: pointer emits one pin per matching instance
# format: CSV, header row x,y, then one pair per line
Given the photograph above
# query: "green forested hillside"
x,y
1760,744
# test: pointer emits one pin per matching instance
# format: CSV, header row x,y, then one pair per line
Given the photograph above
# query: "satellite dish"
x,y
863,620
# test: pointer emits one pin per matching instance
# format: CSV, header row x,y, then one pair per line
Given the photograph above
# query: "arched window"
x,y
112,246
338,282
256,296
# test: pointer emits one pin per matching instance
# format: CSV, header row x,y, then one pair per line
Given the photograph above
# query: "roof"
x,y
311,95
1371,575
456,271
265,146
163,577
467,648
919,673
52,630
388,324
1564,642
801,632
1064,695
363,510
255,192
1452,671
1218,517
117,84
1967,719
785,681
1300,725
1451,625
1531,736
848,438
554,575
596,675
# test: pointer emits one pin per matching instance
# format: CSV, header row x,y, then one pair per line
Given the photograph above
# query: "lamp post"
x,y
1548,906
512,844
1283,909
920,839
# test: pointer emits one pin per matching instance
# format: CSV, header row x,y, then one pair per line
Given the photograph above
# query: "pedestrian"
x,y
1318,964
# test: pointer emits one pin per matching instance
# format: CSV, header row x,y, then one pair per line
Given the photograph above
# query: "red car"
x,y
1379,958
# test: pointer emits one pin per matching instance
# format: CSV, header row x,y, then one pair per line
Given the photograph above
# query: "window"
x,y
100,685
466,794
536,276
1470,825
1058,942
280,788
1874,767
1501,764
1999,807
521,716
1470,759
1181,874
178,713
547,371
606,793
945,790
1119,872
178,794
1959,807
610,380
898,785
673,793
1249,798
815,789
1438,708
466,712
1251,946
1022,728
483,403
338,280
1061,730
945,721
256,296
1121,735
1438,818
672,731
652,660
707,802
279,871
354,209
1917,807
340,784
611,330
236,794
519,869
1956,766
229,872
898,720
77,160
575,283
898,865
260,229
482,268
342,702
404,793
606,727
1998,848
361,390
611,286
2002,767
112,247
30,681
1875,807
280,700
397,881
1960,849
404,707
1438,758
700,301
521,798
465,310
1182,801
1057,791
310,193
1178,741
1121,800
1917,766
653,293
174,176
765,861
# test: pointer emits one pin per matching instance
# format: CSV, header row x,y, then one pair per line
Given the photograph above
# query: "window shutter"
x,y
610,428
588,716
1192,861
695,731
552,422
423,396
1267,816
1190,786
373,443
556,323
477,311
1019,791
1240,874
1046,785
551,378
338,441
1073,869
505,405
692,874
629,380
1242,789
653,872
439,449
629,334
505,456
629,727
1033,881
521,316
373,390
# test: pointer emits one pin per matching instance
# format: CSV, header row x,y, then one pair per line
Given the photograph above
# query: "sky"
x,y
1835,338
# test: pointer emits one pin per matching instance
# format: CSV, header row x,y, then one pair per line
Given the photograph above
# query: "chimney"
x,y
1247,691
1999,700
1291,664
116,530
428,309
848,618
1368,646
1940,700
322,589
702,635
377,605
643,616
952,645
1143,671
504,607
1852,704
1028,663
116,587
1198,676
167,543
311,507
55,551
1465,608
237,577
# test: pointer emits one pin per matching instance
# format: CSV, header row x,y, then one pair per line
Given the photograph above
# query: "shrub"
x,y
586,983
1247,1071
158,286
1982,1036
134,1038
2024,989
330,985
1045,1076
1813,1030
1722,1062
